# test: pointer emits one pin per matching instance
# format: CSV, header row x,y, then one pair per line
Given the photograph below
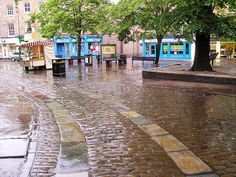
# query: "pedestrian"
x,y
228,53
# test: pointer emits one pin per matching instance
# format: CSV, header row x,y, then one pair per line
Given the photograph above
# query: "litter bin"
x,y
88,60
58,67
123,58
98,57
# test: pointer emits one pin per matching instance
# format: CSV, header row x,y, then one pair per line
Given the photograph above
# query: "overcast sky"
x,y
115,1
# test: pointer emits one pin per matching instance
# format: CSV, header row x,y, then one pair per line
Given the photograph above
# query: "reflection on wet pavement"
x,y
10,167
15,114
201,116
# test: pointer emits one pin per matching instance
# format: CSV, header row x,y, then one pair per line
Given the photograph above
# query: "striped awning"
x,y
36,43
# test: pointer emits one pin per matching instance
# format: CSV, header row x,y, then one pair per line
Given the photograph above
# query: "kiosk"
x,y
39,54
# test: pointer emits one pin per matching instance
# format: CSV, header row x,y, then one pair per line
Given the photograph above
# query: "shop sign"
x,y
108,49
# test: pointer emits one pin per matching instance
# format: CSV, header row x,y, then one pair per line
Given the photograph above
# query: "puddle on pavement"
x,y
15,114
73,158
10,167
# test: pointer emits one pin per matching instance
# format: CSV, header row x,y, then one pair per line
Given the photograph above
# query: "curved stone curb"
x,y
43,149
186,160
73,157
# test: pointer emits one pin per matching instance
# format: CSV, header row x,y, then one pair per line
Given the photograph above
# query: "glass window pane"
x,y
187,48
9,10
165,48
152,49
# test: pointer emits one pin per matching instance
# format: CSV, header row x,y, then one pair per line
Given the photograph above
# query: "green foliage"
x,y
133,19
72,17
217,17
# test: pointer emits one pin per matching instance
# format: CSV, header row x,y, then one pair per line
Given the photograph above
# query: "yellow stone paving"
x,y
130,114
169,143
96,97
81,174
71,133
189,163
153,129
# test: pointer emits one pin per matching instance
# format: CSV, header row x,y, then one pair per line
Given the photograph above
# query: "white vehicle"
x,y
16,56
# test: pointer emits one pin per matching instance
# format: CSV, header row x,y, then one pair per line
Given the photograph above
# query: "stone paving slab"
x,y
189,163
81,174
73,158
13,147
71,133
130,114
141,120
169,143
204,175
10,167
154,130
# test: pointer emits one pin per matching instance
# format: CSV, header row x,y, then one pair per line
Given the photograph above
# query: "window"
x,y
152,49
147,49
165,48
187,48
9,10
176,48
28,27
27,7
11,30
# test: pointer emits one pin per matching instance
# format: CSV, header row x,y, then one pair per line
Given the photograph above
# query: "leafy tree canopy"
x,y
215,17
72,17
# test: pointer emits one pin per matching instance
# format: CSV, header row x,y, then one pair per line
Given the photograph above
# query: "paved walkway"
x,y
102,121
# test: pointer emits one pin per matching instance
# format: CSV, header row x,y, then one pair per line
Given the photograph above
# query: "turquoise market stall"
x,y
66,46
171,48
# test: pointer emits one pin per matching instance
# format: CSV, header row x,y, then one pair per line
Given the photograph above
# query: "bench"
x,y
109,58
122,59
143,59
212,57
72,58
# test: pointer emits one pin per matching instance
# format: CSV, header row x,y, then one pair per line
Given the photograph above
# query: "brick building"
x,y
14,23
130,49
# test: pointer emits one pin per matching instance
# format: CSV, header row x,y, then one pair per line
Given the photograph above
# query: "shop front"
x,y
8,46
66,47
171,48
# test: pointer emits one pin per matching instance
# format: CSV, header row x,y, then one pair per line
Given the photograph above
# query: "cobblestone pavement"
x,y
44,136
201,116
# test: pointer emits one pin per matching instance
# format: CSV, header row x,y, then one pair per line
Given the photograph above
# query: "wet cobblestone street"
x,y
201,116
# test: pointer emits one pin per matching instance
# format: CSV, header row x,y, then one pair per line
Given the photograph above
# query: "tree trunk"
x,y
79,34
202,50
79,46
158,48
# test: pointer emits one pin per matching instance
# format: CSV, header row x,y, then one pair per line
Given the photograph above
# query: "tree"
x,y
202,19
72,17
147,15
157,24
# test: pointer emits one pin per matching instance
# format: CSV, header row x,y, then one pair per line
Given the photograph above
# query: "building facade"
x,y
66,47
171,48
14,23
